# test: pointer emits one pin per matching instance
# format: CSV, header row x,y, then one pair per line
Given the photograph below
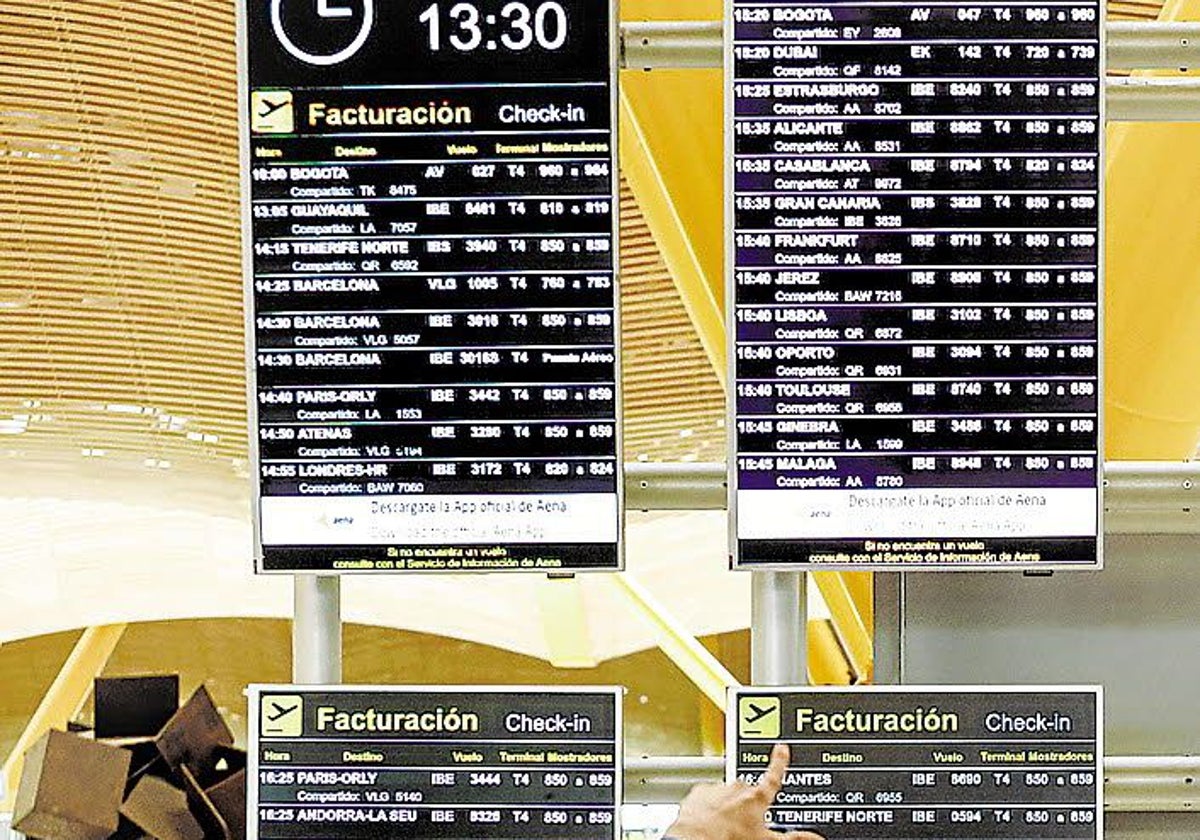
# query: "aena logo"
x,y
335,11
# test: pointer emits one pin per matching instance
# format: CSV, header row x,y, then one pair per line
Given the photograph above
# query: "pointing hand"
x,y
736,811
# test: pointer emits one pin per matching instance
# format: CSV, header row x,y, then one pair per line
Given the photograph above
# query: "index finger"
x,y
772,779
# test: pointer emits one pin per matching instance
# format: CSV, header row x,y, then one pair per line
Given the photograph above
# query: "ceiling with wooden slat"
x,y
121,345
121,337
120,288
120,300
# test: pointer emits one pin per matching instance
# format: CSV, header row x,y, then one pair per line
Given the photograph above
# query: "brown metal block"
x,y
193,734
128,707
146,761
127,831
229,799
161,811
71,788
215,826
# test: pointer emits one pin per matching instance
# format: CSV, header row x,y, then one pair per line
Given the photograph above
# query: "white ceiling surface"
x,y
114,547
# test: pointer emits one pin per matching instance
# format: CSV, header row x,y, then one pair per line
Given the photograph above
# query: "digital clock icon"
x,y
328,13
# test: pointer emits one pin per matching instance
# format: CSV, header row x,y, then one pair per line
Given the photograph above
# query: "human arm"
x,y
735,811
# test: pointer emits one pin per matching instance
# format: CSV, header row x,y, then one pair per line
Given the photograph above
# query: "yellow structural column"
x,y
1152,278
565,623
63,699
673,156
848,622
827,661
675,640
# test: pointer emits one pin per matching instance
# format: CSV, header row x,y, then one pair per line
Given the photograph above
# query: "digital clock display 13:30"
x,y
517,26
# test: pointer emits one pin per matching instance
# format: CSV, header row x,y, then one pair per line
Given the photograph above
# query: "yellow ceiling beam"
x,y
63,700
848,622
676,641
665,218
827,662
1152,294
565,623
862,589
672,154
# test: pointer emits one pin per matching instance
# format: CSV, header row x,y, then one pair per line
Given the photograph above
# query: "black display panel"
x,y
951,763
915,211
476,763
429,210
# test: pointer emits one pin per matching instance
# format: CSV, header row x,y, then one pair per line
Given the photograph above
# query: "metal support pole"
x,y
661,780
889,628
1143,99
317,630
646,45
649,45
778,643
1158,497
675,486
1171,46
1132,784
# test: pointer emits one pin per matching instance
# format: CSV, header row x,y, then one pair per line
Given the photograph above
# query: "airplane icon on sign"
x,y
283,715
270,107
758,717
271,112
757,713
280,711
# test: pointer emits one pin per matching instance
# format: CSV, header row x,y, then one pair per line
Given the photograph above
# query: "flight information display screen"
x,y
415,762
915,215
430,211
951,763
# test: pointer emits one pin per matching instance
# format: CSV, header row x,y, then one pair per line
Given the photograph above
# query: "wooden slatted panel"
x,y
120,293
674,406
120,271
